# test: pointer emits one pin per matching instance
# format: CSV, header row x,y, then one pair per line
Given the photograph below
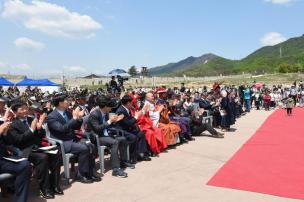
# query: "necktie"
x,y
65,116
25,123
105,131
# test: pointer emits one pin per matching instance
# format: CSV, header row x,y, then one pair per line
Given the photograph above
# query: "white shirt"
x,y
60,112
136,117
154,115
126,109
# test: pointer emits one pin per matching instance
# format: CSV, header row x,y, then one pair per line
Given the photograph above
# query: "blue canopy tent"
x,y
31,82
26,82
5,82
46,82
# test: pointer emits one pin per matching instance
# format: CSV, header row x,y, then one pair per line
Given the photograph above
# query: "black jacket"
x,y
128,123
22,139
95,122
61,129
3,149
20,135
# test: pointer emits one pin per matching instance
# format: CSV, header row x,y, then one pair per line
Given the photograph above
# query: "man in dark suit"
x,y
62,124
100,123
24,135
22,170
129,125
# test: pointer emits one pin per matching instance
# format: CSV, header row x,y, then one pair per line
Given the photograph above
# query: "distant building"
x,y
92,76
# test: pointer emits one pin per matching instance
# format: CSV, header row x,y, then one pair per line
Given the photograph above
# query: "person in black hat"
x,y
100,122
22,170
26,133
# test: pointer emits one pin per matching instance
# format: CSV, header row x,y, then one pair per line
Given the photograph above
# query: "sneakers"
x,y
117,172
219,135
127,165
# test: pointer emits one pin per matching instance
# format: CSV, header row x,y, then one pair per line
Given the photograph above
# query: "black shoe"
x,y
144,158
119,173
133,161
95,178
183,140
58,191
219,135
46,194
190,138
84,180
154,155
127,165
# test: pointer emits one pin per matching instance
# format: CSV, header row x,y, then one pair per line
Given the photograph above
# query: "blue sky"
x,y
78,37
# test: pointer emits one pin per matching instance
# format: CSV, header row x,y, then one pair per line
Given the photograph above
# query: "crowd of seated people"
x,y
134,126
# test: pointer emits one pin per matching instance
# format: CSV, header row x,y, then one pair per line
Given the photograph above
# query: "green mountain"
x,y
266,59
182,65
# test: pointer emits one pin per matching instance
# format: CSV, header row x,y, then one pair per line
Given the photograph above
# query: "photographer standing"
x,y
113,85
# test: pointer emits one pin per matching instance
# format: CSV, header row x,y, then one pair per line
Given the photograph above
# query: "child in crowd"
x,y
289,105
266,100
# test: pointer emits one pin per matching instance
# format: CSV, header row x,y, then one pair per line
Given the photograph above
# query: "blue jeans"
x,y
247,105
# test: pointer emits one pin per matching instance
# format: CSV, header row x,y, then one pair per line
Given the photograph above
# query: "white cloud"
x,y
75,69
17,68
3,65
51,19
272,38
22,67
26,43
280,1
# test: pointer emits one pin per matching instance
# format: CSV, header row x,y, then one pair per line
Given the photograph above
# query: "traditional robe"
x,y
162,121
154,136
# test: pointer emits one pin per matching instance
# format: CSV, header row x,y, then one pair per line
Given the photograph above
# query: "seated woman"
x,y
170,110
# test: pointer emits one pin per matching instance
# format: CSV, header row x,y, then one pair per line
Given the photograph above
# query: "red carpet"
x,y
272,161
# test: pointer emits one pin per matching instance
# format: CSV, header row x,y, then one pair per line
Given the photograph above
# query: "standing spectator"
x,y
183,88
301,99
272,100
289,105
293,93
247,97
225,111
257,100
267,99
113,85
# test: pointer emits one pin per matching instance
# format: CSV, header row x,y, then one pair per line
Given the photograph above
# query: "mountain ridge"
x,y
264,59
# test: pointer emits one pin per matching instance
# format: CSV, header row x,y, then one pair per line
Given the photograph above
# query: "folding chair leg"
x,y
128,153
3,190
73,167
101,150
66,163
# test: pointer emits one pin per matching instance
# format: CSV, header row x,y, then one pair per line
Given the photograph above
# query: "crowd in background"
x,y
134,124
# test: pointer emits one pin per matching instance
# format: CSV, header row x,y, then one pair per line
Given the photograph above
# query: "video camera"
x,y
121,79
